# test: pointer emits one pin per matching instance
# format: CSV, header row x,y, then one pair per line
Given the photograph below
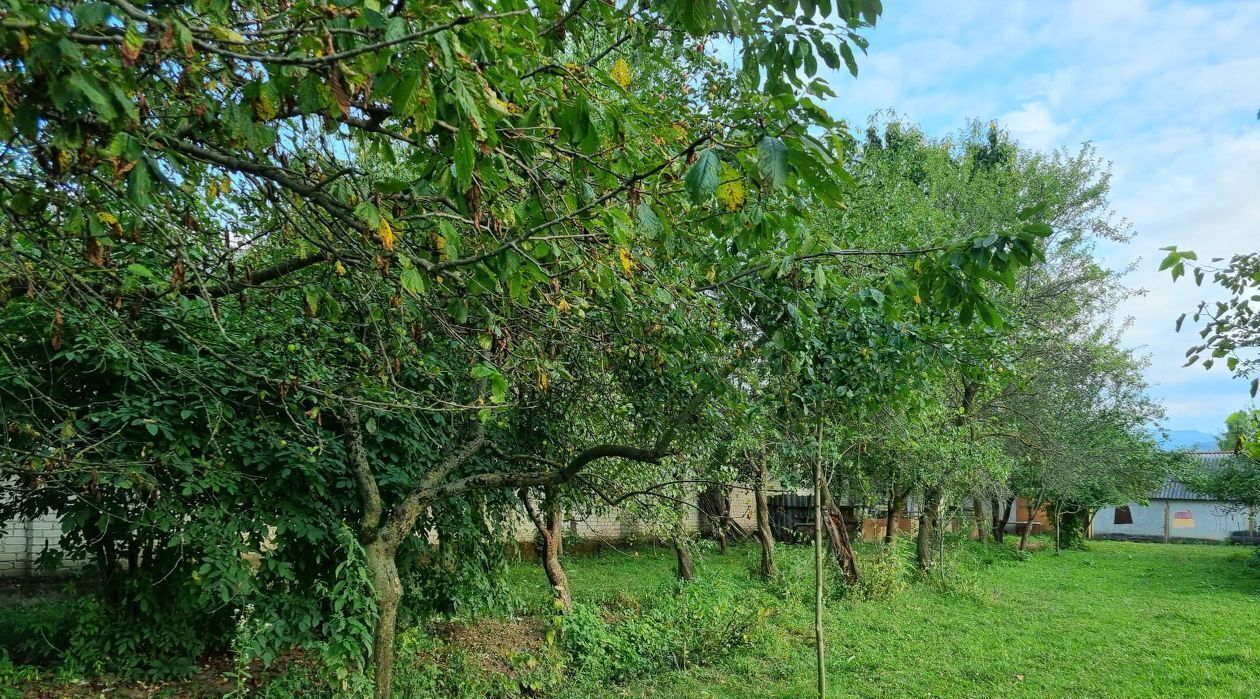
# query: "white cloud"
x,y
1168,91
1034,127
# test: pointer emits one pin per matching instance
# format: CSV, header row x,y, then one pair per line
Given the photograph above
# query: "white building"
x,y
1175,513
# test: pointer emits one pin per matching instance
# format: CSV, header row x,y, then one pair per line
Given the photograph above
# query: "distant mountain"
x,y
1192,440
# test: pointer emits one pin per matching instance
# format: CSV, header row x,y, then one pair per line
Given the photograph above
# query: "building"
x,y
1174,513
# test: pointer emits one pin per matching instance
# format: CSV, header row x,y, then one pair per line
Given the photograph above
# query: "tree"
x,y
1237,481
1231,328
1241,428
357,227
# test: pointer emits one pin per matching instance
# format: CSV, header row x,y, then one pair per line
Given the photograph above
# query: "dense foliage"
x,y
305,310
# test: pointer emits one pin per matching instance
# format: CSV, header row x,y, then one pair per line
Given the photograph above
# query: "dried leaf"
x,y
338,86
93,251
57,321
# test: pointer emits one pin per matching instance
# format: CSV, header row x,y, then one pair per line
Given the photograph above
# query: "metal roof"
x,y
1176,490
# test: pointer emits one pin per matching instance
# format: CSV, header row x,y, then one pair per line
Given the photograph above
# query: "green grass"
x,y
1117,620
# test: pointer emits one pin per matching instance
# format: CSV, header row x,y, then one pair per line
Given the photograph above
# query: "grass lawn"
x,y
1117,620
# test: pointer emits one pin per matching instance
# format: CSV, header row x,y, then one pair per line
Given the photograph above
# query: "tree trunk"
x,y
686,569
1005,519
715,505
977,510
1251,521
764,534
1032,512
890,521
995,515
838,536
550,528
819,482
383,570
927,528
682,550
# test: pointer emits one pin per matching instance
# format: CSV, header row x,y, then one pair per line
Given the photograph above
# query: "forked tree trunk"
x,y
838,536
387,588
715,507
550,526
764,534
927,528
999,526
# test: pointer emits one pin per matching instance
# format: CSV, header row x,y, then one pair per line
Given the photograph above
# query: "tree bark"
x,y
999,528
977,511
716,508
686,569
550,528
890,518
818,568
387,588
927,528
838,536
1033,508
764,534
995,516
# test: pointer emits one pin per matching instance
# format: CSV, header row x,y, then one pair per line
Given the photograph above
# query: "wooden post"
x,y
1167,522
818,565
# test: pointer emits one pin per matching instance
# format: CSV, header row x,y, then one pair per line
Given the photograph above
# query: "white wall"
x,y
1208,520
22,543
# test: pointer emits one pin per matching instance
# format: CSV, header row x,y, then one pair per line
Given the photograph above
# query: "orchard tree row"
x,y
305,304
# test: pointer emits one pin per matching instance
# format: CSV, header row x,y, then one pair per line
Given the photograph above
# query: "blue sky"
x,y
1169,93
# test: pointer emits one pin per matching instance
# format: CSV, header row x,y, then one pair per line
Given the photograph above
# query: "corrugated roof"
x,y
1176,490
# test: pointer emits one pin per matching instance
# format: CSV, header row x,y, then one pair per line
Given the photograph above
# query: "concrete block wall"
x,y
24,541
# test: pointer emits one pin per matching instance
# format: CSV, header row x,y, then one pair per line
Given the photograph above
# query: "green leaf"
x,y
695,16
1041,230
648,220
849,60
139,270
703,178
772,161
412,281
465,158
368,213
1032,211
90,88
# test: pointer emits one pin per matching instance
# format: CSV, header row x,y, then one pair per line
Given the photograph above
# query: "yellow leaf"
x,y
711,275
340,269
731,193
386,234
917,299
564,306
627,262
265,106
621,73
107,218
226,35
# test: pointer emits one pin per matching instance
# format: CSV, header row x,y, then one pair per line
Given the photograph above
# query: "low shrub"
x,y
881,574
684,624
